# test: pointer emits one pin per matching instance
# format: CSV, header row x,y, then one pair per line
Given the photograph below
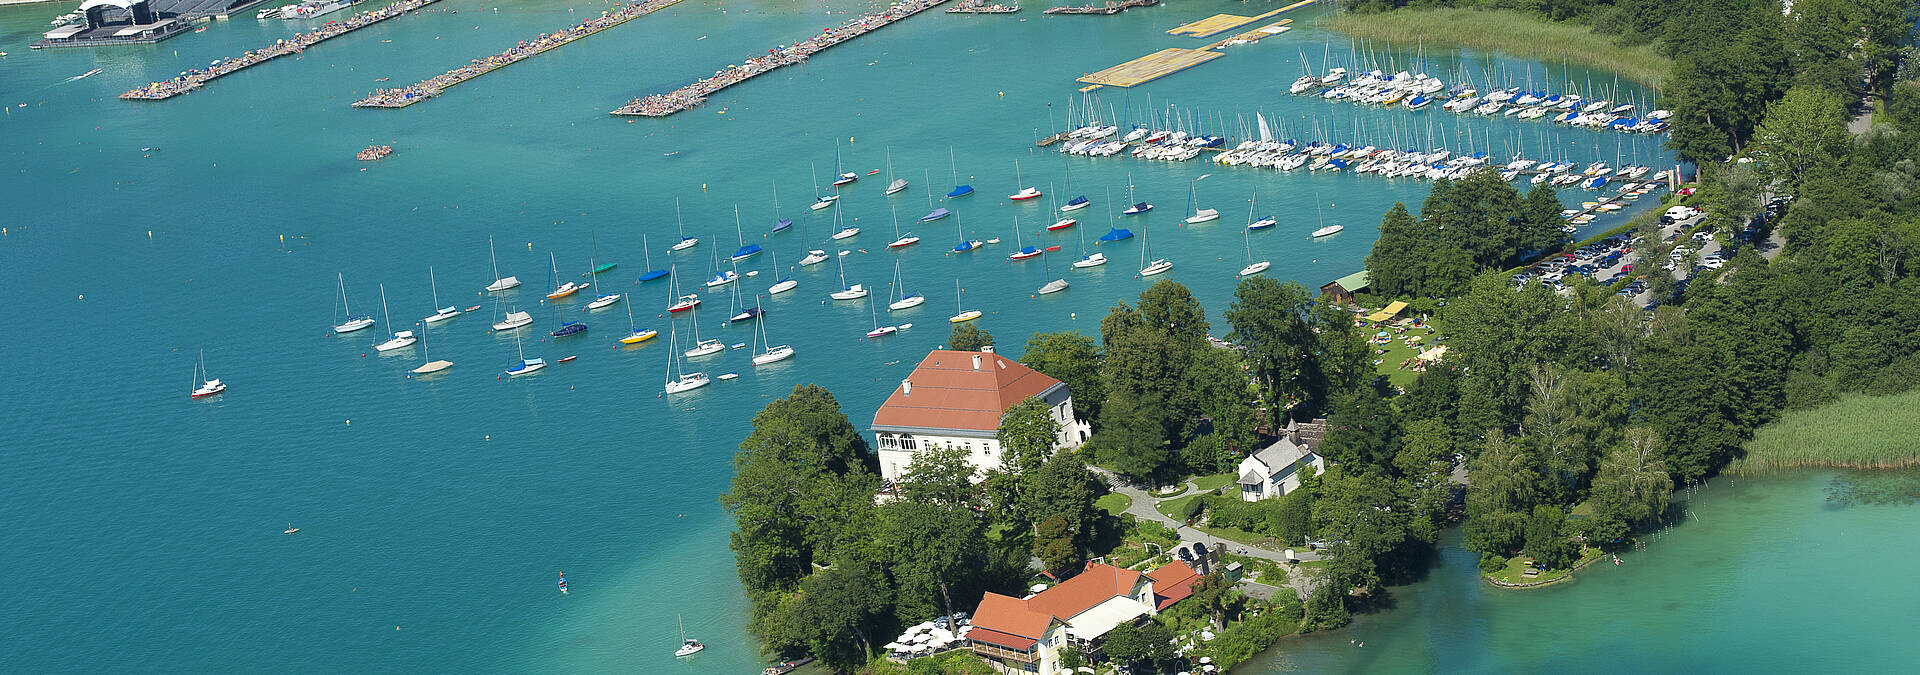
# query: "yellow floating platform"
x,y
1220,23
1151,67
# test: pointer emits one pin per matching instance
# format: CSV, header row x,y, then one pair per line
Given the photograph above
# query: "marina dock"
x,y
1221,23
1151,67
428,88
662,105
1107,8
198,77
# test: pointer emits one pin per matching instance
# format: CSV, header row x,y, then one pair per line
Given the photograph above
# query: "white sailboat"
x,y
878,330
894,185
1095,259
1158,265
443,313
1325,229
1021,193
513,320
1199,215
1252,267
685,381
605,299
785,283
854,292
687,647
500,283
561,290
703,347
398,339
526,365
685,242
208,387
353,323
431,366
1054,286
769,352
900,241
963,315
907,300
840,233
820,201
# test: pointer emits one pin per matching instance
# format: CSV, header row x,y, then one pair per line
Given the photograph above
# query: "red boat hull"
x,y
1064,224
681,308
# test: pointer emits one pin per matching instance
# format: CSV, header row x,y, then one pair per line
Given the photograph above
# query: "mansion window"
x,y
907,442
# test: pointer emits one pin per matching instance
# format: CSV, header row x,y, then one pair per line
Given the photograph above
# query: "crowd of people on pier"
x,y
431,87
661,105
192,79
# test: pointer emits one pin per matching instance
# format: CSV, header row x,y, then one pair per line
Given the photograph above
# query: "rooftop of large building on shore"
x,y
961,390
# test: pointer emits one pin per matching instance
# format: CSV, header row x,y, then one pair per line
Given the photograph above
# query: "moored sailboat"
x,y
397,339
206,387
963,315
500,283
353,323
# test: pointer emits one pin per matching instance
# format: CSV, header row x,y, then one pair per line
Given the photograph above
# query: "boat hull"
x,y
638,337
964,317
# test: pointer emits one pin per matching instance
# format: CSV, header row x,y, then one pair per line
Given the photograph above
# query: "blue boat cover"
x,y
935,214
782,225
961,191
1082,199
1117,234
747,251
650,276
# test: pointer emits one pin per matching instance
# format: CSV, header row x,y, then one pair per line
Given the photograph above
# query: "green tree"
x,y
1217,598
1498,335
1395,266
932,550
1131,440
1053,544
1426,448
1072,359
1362,431
1027,435
1064,489
1803,132
1273,325
841,610
968,337
1541,217
1547,538
1502,489
1226,397
941,475
1138,646
789,492
1327,608
1632,490
1344,358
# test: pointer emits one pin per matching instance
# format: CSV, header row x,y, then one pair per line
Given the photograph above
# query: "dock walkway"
x,y
198,77
662,105
402,97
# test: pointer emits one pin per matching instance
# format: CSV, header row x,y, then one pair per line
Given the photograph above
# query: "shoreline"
x,y
1550,582
1511,33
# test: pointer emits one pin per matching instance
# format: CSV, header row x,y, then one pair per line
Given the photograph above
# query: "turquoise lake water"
x,y
142,530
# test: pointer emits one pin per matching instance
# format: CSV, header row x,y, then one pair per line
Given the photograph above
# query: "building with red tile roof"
x,y
956,399
1172,583
1027,634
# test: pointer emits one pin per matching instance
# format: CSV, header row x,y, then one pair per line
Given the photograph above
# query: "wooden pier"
x,y
194,79
1219,23
662,105
1151,67
1107,8
434,86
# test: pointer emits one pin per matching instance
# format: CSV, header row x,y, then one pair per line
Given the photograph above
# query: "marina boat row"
x,y
1420,91
402,97
662,105
198,77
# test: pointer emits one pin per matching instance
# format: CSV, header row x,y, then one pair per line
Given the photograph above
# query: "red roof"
x,y
947,392
1017,624
1172,583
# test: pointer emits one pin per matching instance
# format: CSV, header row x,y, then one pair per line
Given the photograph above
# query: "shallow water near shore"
x,y
143,529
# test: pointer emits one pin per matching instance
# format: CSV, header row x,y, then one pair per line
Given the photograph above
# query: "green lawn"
x,y
1510,32
1515,567
1172,508
1854,432
1213,482
1113,503
1397,351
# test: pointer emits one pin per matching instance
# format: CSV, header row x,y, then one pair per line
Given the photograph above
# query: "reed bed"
x,y
1510,32
1856,432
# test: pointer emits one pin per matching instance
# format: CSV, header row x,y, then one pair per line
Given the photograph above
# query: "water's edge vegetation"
x,y
1510,32
1855,432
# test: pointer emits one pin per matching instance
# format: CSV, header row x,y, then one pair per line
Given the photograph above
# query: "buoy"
x,y
83,296
488,437
349,422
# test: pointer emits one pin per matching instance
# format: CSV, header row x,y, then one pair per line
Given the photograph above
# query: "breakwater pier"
x,y
662,105
402,97
198,77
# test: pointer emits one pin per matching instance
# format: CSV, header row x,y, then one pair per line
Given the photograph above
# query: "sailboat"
x,y
703,347
443,313
500,283
677,302
907,300
598,268
1022,193
1138,207
205,388
959,190
965,243
1158,265
1075,204
1094,259
685,242
562,290
964,315
431,366
744,314
898,240
526,365
854,292
1199,215
820,201
1247,234
651,273
878,330
1064,222
687,647
840,177
513,320
746,250
1325,229
894,185
635,335
1054,286
686,381
606,299
769,352
1113,233
352,323
843,232
933,214
780,224
398,339
785,283
721,277
1024,251
566,328
814,257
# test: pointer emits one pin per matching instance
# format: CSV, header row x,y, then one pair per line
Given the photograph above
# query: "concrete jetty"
x,y
428,88
195,78
662,105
